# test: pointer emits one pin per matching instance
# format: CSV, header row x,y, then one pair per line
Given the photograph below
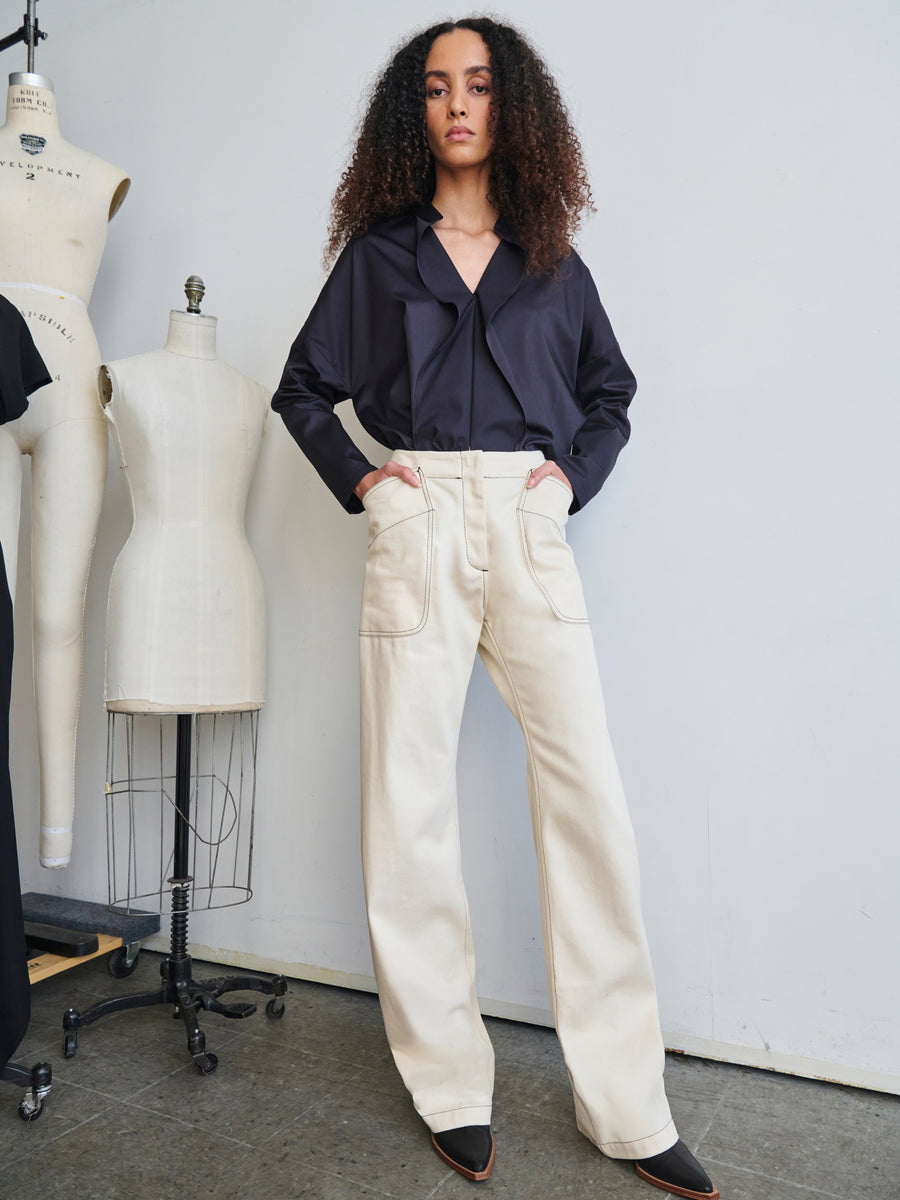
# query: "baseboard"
x,y
680,1043
784,1064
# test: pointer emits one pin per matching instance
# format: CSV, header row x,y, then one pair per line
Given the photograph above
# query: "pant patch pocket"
x,y
397,585
542,514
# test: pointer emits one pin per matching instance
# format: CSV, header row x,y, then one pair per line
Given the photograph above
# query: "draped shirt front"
x,y
523,363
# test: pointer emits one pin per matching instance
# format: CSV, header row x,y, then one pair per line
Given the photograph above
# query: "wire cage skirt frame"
x,y
142,809
185,840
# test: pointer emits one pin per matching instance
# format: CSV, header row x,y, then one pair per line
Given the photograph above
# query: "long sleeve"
x,y
604,388
318,375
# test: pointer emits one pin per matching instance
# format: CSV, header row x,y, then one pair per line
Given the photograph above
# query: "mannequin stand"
x,y
178,985
37,1079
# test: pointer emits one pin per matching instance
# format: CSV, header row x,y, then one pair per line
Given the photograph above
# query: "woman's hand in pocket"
x,y
407,474
546,468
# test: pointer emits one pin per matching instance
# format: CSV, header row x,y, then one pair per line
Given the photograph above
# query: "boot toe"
x,y
468,1150
678,1172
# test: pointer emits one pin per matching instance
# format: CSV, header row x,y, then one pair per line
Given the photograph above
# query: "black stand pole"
x,y
29,33
178,986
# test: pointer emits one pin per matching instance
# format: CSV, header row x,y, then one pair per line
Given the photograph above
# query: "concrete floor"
x,y
311,1108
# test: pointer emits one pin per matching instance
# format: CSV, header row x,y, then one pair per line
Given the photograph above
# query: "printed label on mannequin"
x,y
26,166
32,143
29,100
31,315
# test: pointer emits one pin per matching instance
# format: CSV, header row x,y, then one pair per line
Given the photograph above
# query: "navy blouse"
x,y
520,364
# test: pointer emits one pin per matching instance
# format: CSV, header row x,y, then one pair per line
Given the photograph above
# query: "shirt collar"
x,y
426,216
503,275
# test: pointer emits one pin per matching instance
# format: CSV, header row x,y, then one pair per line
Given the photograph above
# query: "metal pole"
x,y
30,18
182,795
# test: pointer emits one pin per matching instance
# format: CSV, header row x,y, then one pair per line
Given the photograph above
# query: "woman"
x,y
474,345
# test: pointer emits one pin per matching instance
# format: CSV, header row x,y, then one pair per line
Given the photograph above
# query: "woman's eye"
x,y
480,89
435,91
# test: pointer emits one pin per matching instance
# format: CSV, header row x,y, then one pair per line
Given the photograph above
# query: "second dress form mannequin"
x,y
186,617
56,202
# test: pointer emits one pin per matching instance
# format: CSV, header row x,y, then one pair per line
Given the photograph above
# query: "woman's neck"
x,y
191,335
461,199
31,106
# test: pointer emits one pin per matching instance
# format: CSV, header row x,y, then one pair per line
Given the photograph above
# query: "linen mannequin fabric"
x,y
186,620
473,561
56,201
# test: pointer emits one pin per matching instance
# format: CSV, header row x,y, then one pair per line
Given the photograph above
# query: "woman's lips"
x,y
459,133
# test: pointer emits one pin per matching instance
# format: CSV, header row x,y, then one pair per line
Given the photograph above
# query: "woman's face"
x,y
458,99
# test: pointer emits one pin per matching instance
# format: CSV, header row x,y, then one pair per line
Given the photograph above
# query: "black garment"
x,y
15,992
22,371
396,328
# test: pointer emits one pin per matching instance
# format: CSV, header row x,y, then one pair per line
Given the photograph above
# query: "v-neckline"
x,y
487,266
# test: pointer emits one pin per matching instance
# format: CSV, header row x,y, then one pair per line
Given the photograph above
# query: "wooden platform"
x,y
45,965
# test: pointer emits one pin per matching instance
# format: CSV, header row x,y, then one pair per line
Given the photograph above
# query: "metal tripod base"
x,y
188,997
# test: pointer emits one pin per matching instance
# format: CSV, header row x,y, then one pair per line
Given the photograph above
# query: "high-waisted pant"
x,y
474,561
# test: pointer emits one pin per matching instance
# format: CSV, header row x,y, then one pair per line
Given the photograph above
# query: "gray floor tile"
x,y
836,1140
65,1109
281,1177
695,1088
736,1184
333,1022
530,1044
257,1089
382,1077
364,1138
126,1153
526,1087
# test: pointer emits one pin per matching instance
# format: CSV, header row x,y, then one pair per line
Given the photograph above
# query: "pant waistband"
x,y
454,464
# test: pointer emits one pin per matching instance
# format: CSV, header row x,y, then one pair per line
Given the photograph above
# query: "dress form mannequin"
x,y
56,202
186,617
185,632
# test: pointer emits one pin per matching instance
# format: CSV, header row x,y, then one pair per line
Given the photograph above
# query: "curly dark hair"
x,y
538,181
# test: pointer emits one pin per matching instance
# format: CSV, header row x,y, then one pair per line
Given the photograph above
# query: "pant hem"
x,y
646,1147
455,1117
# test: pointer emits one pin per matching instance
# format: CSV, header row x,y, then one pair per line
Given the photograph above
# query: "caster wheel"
x,y
118,966
206,1063
70,1044
275,1009
29,1111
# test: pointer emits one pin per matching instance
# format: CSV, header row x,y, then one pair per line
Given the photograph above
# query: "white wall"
x,y
740,566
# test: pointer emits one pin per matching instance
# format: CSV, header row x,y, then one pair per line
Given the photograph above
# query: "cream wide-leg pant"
x,y
473,561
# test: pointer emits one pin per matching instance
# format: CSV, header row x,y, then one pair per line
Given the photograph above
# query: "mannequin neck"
x,y
192,335
31,105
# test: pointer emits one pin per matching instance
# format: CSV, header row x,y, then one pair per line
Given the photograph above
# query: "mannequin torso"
x,y
56,202
186,618
56,199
